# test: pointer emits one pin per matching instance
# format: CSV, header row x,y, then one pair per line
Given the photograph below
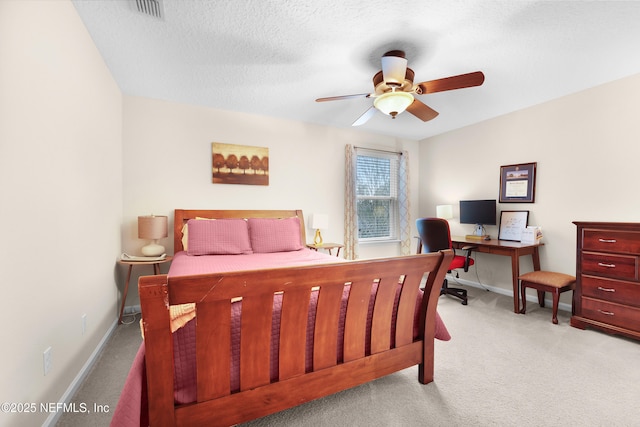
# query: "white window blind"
x,y
377,194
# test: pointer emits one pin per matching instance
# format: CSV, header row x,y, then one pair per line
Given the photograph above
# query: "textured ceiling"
x,y
275,57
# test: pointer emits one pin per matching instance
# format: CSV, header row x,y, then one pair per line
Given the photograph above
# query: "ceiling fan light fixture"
x,y
393,103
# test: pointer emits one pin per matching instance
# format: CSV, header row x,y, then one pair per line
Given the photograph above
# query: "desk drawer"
x,y
611,241
611,313
608,265
611,290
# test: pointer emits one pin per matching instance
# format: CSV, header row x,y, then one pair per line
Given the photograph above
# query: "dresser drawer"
x,y
611,290
611,313
611,241
608,265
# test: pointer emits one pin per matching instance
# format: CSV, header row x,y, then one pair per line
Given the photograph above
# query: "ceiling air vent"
x,y
153,8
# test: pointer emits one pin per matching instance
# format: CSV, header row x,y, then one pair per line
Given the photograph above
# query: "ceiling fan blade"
x,y
365,117
451,83
394,67
422,111
337,98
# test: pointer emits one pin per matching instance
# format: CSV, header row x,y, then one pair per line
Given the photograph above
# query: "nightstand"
x,y
156,270
327,246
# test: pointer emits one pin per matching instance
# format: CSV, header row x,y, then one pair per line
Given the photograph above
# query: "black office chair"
x,y
435,236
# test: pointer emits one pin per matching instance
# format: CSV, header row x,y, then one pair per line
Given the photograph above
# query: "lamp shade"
x,y
320,221
444,211
152,227
393,103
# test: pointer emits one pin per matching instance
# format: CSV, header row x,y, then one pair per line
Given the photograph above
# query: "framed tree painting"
x,y
239,164
518,183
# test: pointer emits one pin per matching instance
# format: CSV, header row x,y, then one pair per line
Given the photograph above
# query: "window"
x,y
377,195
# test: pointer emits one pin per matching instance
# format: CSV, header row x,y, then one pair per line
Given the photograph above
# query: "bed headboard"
x,y
181,216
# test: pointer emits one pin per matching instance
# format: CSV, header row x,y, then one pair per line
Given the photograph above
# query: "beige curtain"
x,y
350,208
404,205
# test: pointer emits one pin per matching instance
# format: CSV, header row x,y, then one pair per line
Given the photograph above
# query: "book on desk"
x,y
476,237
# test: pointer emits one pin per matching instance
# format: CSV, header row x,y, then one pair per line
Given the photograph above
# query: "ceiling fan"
x,y
394,91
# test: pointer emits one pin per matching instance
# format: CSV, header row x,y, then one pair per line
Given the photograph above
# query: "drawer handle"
x,y
600,288
606,313
602,264
607,240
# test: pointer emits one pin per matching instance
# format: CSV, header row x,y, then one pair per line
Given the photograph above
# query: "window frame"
x,y
393,197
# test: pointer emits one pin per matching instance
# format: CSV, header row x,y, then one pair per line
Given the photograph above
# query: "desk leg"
x,y
515,273
536,267
124,295
536,259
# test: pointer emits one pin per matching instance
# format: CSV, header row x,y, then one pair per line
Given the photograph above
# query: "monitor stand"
x,y
478,233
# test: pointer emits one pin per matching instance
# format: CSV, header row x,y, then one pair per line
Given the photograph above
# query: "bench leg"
x,y
556,300
523,295
541,298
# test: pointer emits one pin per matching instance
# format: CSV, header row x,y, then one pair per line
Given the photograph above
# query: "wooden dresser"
x,y
607,294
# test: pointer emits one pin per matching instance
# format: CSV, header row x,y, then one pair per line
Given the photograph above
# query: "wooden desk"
x,y
507,248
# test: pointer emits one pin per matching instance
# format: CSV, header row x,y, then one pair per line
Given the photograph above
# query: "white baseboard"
x,y
502,291
52,419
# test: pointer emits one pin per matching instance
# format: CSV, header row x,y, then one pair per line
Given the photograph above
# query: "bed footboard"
x,y
368,335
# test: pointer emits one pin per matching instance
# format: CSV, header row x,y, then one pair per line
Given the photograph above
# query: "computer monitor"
x,y
478,212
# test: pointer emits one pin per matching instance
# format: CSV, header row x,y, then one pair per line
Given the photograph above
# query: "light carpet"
x,y
499,369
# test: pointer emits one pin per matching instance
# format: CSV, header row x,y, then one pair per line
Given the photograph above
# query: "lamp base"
x,y
318,239
152,249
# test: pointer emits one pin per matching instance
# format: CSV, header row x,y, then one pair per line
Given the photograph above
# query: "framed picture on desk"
x,y
518,183
512,224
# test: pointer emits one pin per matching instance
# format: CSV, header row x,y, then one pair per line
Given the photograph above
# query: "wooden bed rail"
x,y
295,384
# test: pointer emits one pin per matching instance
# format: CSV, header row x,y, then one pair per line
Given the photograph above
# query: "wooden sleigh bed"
x,y
269,339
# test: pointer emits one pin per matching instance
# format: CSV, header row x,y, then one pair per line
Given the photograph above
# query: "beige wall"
x,y
587,148
60,202
167,165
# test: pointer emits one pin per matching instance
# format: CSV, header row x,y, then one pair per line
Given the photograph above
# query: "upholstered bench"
x,y
546,281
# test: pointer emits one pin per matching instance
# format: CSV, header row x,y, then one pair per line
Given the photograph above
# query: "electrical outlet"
x,y
84,323
48,360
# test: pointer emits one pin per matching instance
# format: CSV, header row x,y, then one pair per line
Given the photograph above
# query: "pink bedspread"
x,y
132,406
184,265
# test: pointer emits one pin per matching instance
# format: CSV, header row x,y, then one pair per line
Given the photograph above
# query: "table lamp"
x,y
444,211
319,221
152,227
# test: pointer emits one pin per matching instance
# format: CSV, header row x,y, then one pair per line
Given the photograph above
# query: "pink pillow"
x,y
275,235
218,237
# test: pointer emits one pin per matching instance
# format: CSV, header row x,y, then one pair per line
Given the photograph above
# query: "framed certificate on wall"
x,y
518,183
